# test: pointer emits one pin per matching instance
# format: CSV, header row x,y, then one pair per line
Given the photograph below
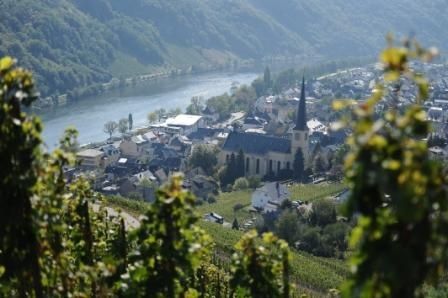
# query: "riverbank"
x,y
88,116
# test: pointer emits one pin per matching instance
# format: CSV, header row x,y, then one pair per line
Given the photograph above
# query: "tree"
x,y
260,269
152,117
170,246
160,114
204,156
254,182
241,184
130,121
267,79
398,192
196,106
47,233
318,164
299,165
174,112
323,213
123,125
287,226
110,127
258,86
19,149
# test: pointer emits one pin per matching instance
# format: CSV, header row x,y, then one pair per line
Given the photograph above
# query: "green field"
x,y
305,192
312,275
312,192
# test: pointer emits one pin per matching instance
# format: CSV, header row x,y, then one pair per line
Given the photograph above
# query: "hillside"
x,y
71,44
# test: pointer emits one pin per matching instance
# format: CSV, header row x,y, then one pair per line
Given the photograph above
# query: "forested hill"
x,y
74,43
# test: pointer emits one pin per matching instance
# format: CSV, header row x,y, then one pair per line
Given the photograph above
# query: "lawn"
x,y
225,203
313,192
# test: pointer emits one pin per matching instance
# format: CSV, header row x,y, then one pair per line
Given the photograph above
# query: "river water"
x,y
89,115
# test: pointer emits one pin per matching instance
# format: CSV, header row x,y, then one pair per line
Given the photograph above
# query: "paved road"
x,y
130,221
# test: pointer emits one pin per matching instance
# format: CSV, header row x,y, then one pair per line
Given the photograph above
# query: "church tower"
x,y
301,131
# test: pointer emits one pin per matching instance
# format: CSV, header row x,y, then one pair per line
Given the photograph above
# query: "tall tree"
x,y
110,128
299,165
267,79
130,121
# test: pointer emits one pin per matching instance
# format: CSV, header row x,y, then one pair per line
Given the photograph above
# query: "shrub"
x,y
241,184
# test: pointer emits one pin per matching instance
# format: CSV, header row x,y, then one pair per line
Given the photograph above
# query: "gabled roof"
x,y
256,143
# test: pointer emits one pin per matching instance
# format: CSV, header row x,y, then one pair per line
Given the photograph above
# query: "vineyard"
x,y
311,275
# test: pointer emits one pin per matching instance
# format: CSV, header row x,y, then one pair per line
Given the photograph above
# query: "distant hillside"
x,y
75,43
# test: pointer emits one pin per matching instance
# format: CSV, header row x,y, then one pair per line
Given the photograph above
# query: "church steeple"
x,y
301,111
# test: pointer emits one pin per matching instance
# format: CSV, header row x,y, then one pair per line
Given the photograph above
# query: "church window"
x,y
257,170
270,166
247,164
288,165
279,164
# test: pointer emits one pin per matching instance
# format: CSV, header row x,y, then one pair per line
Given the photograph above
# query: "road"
x,y
130,221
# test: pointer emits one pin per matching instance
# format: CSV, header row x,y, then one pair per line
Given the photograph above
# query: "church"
x,y
267,154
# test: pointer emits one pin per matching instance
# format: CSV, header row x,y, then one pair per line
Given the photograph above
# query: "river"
x,y
89,115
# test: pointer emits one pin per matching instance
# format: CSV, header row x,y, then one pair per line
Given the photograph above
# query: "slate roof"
x,y
203,133
256,143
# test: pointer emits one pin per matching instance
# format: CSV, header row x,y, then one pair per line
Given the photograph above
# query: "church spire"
x,y
301,112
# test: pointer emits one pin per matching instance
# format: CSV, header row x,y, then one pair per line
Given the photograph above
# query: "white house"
x,y
186,123
90,158
270,195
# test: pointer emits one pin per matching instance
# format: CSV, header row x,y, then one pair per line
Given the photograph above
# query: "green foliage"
x,y
241,100
196,106
313,192
123,125
323,213
51,245
241,184
110,127
261,270
254,182
204,156
397,191
152,117
130,121
169,247
20,134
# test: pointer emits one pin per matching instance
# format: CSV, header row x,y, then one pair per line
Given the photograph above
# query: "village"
x,y
279,140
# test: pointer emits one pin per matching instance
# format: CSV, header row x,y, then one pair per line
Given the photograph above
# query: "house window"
x,y
279,164
287,165
258,166
247,164
270,166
